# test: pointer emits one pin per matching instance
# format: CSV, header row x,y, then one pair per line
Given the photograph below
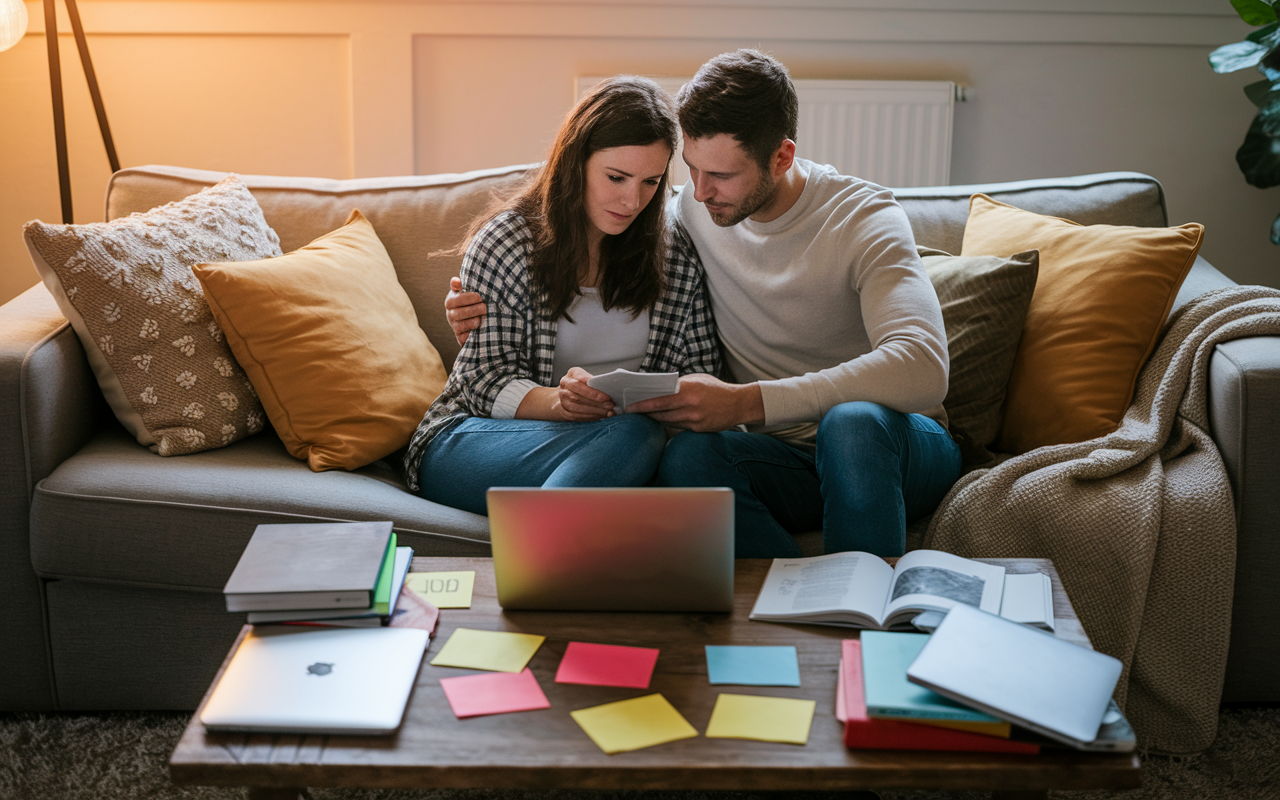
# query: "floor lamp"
x,y
13,25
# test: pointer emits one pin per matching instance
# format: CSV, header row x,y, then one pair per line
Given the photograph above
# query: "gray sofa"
x,y
112,559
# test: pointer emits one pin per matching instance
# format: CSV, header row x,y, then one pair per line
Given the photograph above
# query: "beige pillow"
x,y
330,339
984,305
127,289
1101,298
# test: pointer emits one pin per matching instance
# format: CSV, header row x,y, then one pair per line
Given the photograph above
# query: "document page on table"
x,y
850,581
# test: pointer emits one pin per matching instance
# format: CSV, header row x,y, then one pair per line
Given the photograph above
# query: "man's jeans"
x,y
874,471
461,463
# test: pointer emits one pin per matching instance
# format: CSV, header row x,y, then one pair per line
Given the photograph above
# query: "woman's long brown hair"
x,y
619,112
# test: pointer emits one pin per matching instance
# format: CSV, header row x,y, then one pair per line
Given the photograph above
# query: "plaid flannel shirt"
x,y
518,340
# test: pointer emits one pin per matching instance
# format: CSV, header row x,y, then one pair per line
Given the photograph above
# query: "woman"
x,y
581,276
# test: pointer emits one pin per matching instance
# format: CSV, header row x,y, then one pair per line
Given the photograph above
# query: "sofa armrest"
x,y
49,407
1244,419
51,398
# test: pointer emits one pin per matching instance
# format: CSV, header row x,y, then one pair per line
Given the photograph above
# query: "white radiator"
x,y
894,133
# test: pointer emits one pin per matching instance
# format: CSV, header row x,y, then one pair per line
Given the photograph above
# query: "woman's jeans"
x,y
461,463
873,471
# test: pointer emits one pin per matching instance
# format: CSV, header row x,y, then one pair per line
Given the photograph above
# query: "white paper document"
x,y
626,387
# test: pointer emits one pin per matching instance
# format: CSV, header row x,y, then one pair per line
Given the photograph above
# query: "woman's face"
x,y
620,183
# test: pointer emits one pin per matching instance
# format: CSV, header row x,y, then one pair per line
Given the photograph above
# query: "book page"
x,y
625,387
1028,599
849,582
930,580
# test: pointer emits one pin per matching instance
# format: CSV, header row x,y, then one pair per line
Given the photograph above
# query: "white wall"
x,y
343,88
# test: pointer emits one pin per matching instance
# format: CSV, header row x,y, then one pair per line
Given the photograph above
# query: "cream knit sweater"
x,y
827,304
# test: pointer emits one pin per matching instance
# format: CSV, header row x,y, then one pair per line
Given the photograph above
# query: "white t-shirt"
x,y
827,304
599,341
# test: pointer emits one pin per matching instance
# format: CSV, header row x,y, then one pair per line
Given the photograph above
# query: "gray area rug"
x,y
124,755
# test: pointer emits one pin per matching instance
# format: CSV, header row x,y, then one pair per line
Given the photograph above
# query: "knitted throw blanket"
x,y
1140,525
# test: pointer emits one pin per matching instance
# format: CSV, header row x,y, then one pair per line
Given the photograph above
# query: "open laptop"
x,y
332,681
644,549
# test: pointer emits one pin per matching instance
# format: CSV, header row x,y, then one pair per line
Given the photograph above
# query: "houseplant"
x,y
1259,156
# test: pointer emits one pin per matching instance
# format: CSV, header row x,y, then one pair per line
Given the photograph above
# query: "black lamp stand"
x,y
55,86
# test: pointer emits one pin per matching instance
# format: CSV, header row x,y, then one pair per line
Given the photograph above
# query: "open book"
x,y
861,590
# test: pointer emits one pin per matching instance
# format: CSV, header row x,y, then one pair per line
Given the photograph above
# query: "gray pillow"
x,y
984,304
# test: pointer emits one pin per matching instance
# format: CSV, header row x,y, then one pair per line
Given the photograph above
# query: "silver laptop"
x,y
335,680
1022,675
645,549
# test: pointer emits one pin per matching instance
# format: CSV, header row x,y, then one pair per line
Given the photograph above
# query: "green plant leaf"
x,y
1262,33
1237,56
1259,156
1269,116
1258,92
1254,12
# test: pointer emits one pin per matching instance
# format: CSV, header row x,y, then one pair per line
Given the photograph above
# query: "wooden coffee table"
x,y
546,749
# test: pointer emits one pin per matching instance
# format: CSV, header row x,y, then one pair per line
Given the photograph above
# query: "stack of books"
x,y
981,683
346,574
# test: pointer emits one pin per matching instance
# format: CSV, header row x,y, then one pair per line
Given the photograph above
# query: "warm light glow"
x,y
13,22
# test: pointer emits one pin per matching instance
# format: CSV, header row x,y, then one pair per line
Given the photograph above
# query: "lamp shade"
x,y
13,22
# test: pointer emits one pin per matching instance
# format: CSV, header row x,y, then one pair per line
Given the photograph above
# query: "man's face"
x,y
726,180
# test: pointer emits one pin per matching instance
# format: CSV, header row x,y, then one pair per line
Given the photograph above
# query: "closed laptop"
x,y
1020,674
334,681
635,549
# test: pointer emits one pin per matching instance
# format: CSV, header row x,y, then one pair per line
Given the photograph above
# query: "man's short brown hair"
x,y
746,94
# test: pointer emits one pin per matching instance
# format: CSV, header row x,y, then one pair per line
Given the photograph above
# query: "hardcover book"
x,y
885,659
368,617
861,732
328,565
861,590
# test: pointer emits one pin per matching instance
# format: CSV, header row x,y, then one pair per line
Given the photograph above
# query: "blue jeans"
x,y
461,463
874,470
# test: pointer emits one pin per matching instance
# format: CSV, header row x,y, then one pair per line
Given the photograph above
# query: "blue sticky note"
x,y
753,666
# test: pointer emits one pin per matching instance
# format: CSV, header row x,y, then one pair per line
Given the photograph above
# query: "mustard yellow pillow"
x,y
331,343
1101,297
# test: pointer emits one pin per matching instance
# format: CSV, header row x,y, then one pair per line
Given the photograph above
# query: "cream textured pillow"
x,y
331,341
984,305
1101,298
127,289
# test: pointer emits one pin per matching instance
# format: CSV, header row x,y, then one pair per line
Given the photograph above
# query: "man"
x,y
830,328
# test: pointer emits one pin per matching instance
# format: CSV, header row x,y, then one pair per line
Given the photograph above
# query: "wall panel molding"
x,y
1184,22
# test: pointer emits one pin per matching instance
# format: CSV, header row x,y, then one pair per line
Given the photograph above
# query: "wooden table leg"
x,y
274,793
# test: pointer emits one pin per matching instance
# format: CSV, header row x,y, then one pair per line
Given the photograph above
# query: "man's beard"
x,y
750,204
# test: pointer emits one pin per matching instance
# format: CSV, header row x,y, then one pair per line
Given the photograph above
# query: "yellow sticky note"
x,y
497,651
769,719
633,724
443,589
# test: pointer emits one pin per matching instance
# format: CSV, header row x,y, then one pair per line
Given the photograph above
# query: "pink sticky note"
x,y
494,693
607,665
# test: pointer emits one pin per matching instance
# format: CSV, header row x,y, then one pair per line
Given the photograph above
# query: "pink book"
x,y
864,733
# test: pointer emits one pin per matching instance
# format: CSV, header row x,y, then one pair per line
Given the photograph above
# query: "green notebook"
x,y
382,593
885,658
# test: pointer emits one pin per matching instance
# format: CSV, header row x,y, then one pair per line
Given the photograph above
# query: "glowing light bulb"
x,y
13,22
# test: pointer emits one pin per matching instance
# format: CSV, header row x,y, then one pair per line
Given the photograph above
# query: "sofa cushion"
x,y
984,305
1102,296
418,218
127,288
331,343
938,214
119,513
